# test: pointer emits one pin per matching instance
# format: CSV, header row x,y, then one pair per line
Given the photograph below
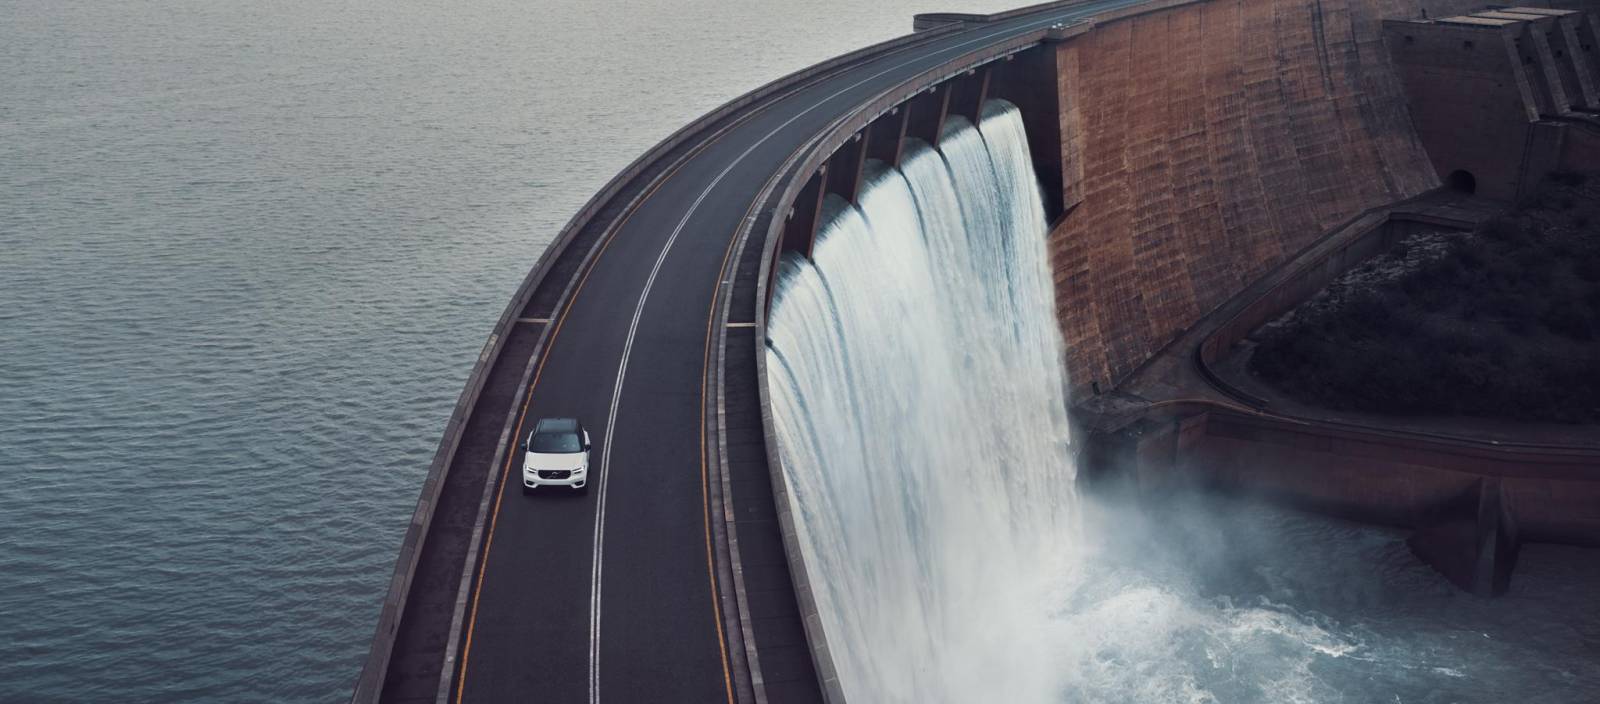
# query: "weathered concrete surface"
x,y
1474,542
1457,73
1582,148
1394,477
1204,144
1494,94
1570,56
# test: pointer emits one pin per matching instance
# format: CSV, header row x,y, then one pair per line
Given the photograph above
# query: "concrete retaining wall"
x,y
1395,478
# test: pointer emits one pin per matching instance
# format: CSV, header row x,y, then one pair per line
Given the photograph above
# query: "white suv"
x,y
557,454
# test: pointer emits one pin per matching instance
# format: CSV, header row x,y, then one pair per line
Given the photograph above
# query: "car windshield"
x,y
555,442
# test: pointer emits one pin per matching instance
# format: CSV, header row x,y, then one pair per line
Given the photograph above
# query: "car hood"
x,y
536,461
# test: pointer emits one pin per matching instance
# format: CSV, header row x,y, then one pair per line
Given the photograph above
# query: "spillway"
x,y
919,396
915,374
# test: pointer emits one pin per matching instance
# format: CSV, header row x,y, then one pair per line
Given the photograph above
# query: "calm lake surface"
x,y
248,252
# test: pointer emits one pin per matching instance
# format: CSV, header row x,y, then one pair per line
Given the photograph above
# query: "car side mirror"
x,y
523,444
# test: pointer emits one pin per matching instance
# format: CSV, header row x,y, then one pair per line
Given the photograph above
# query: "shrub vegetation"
x,y
1505,324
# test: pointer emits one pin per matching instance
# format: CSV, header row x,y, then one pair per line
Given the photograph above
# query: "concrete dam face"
x,y
1208,142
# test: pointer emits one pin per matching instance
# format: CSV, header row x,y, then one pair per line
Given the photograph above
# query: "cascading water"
x,y
915,374
920,405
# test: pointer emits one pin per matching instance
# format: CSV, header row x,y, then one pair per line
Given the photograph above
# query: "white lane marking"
x,y
598,556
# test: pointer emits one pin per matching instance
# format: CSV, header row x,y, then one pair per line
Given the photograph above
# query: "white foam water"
x,y
920,402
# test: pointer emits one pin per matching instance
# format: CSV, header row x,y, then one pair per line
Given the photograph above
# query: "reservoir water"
x,y
248,252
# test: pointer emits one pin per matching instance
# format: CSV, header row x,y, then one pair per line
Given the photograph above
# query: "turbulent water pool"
x,y
920,408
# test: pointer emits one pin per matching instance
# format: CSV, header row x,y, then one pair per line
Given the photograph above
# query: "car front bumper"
x,y
575,479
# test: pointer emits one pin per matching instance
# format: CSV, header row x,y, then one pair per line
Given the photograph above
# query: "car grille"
x,y
554,473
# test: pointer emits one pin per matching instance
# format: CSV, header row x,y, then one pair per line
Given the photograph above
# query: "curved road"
x,y
612,593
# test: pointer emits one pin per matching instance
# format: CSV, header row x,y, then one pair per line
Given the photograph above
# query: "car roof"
x,y
556,425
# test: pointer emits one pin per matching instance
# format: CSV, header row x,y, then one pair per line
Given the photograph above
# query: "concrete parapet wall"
x,y
934,20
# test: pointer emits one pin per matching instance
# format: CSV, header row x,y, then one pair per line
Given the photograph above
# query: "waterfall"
x,y
919,397
917,391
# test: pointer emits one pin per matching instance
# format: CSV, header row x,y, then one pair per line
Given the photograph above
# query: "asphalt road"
x,y
610,594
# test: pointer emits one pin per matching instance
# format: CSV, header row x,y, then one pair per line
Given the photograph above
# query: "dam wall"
x,y
1203,145
1501,98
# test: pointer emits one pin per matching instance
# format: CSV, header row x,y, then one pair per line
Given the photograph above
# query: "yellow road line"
x,y
705,498
544,355
494,517
705,365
